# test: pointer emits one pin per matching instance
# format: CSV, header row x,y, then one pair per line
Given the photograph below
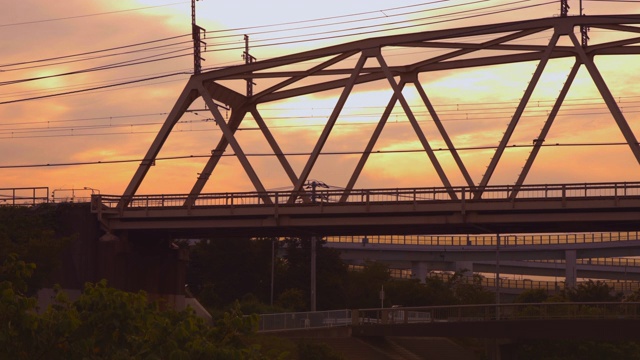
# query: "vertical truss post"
x,y
537,143
229,135
416,127
607,97
516,117
328,127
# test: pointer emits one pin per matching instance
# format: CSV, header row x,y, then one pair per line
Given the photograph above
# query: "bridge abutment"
x,y
130,262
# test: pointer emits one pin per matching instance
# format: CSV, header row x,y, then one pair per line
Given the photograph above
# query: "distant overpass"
x,y
569,256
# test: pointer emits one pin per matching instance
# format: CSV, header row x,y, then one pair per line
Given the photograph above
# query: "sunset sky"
x,y
115,47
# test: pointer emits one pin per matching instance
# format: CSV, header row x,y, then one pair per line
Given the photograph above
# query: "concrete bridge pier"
x,y
419,270
156,266
465,267
571,270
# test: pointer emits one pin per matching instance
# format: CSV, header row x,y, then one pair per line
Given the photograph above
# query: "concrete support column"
x,y
419,270
571,273
466,266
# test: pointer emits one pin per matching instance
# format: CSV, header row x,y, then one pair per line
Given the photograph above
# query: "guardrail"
x,y
626,287
26,196
369,196
488,240
304,320
454,313
493,312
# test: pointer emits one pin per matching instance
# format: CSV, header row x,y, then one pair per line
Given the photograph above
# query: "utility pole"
x,y
313,273
197,41
564,8
584,30
248,59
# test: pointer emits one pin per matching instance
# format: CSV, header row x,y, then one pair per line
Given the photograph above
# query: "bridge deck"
x,y
535,209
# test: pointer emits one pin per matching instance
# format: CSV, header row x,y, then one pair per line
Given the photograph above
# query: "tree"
x,y
592,291
108,323
469,289
364,285
532,296
30,233
331,272
224,270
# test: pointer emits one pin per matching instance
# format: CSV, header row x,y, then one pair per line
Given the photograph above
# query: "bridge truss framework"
x,y
329,68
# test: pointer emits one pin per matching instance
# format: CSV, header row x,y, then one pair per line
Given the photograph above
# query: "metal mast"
x,y
197,42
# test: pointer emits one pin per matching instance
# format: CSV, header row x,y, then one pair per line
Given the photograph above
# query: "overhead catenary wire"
x,y
332,153
455,113
71,73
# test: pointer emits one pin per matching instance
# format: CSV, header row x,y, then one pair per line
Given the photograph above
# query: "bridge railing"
x,y
304,320
453,313
370,196
492,312
623,286
488,240
24,196
620,262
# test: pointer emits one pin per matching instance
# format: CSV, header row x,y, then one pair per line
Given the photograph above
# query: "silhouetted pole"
x,y
273,262
248,59
498,276
313,273
197,42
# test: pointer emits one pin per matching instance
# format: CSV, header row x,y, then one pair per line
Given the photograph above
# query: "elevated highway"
x,y
568,256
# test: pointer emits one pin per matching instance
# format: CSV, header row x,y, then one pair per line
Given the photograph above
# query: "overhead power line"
x,y
398,151
88,15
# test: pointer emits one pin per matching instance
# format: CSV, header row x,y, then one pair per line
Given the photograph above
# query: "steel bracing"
x,y
332,68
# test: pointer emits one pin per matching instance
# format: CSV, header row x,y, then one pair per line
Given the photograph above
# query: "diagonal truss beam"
x,y
305,74
328,127
608,98
537,143
372,142
216,154
516,117
407,109
187,97
444,134
293,83
229,136
274,146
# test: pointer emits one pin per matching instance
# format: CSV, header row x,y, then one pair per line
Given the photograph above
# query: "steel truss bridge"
x,y
475,207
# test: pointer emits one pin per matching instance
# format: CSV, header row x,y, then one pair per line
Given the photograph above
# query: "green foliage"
x,y
468,289
29,232
532,296
222,271
365,285
331,272
592,291
292,300
106,323
313,351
